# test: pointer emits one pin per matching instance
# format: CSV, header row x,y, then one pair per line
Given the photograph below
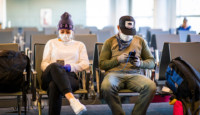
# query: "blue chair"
x,y
193,38
183,35
6,36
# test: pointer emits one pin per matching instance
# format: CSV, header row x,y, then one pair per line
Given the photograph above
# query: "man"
x,y
123,71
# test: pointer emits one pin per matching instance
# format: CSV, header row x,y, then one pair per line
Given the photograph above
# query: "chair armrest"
x,y
33,84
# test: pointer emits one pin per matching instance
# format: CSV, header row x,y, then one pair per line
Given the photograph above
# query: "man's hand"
x,y
135,62
122,58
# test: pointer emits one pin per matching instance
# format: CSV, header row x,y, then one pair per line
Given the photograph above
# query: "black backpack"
x,y
184,81
12,66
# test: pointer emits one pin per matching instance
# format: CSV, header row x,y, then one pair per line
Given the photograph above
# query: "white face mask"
x,y
125,37
66,37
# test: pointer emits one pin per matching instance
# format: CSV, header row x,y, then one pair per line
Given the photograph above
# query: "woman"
x,y
184,26
63,57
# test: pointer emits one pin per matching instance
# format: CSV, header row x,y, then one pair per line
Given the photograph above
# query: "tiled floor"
x,y
103,109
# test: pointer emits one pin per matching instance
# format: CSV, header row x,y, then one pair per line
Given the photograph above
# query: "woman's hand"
x,y
67,67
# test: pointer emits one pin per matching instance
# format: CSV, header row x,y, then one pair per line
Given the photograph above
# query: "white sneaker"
x,y
77,107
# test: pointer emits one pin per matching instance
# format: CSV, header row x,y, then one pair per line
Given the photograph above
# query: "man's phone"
x,y
132,55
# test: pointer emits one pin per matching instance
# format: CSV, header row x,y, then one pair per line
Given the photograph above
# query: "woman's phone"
x,y
61,62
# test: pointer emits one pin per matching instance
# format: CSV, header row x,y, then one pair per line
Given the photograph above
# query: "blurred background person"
x,y
184,26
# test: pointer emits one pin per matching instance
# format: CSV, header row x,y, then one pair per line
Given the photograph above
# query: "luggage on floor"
x,y
12,66
184,81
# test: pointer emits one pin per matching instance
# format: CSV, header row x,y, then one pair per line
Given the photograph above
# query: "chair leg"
x,y
39,105
87,78
19,105
97,81
25,104
91,90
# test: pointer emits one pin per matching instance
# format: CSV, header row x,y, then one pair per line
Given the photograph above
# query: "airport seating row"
x,y
94,76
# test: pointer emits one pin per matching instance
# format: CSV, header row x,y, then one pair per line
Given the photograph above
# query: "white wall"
x,y
171,13
165,14
121,9
98,13
24,13
160,16
118,8
103,13
3,13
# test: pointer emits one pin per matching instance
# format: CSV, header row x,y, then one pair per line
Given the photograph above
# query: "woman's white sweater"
x,y
72,52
